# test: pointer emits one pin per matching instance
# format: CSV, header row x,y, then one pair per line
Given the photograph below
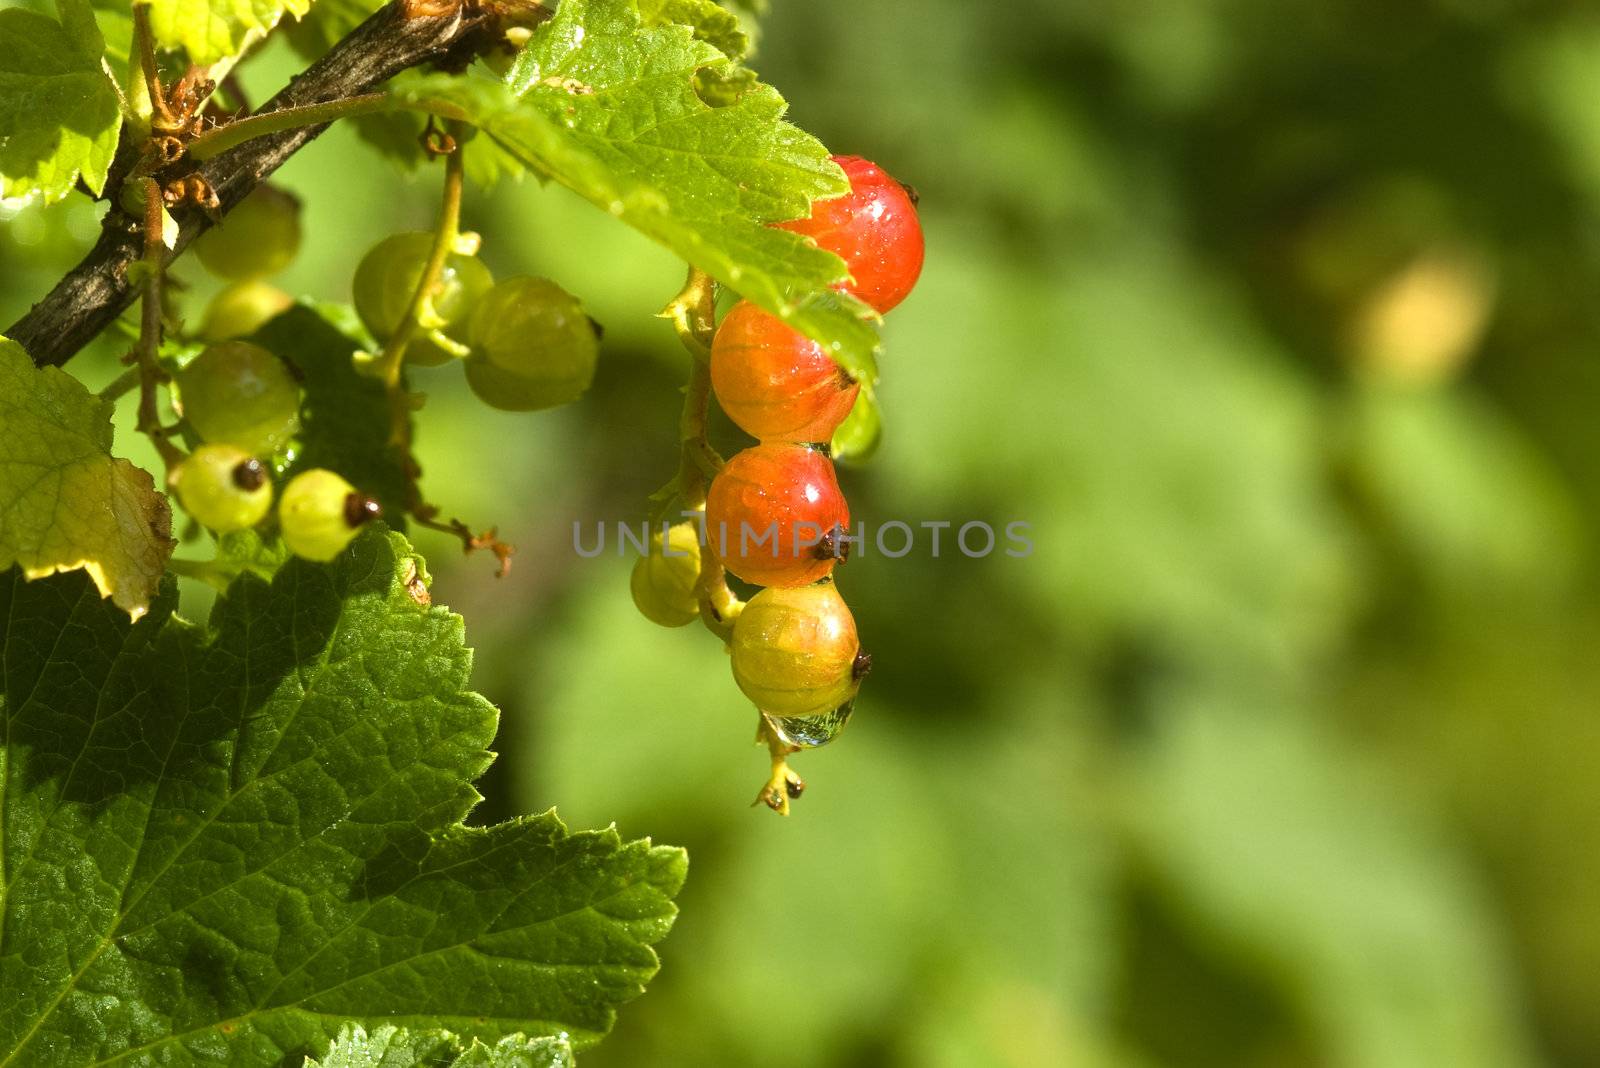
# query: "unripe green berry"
x,y
237,393
387,279
663,582
795,651
320,513
532,346
260,236
243,308
224,488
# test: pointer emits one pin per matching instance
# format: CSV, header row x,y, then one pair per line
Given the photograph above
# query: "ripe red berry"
x,y
874,229
774,515
774,382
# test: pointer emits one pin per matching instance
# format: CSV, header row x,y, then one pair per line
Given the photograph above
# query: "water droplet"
x,y
810,732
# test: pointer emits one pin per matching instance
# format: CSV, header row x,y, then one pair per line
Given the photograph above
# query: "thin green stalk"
x,y
446,231
693,315
121,384
219,139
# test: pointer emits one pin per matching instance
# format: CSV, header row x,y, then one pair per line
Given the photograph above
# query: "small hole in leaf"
x,y
723,84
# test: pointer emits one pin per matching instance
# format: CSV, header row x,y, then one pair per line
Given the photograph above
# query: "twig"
x,y
145,41
470,542
96,291
149,419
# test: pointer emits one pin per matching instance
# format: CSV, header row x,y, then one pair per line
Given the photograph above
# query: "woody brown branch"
x,y
404,34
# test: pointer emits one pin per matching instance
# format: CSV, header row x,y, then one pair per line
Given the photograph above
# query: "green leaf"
x,y
65,502
608,107
209,30
344,415
398,1047
59,117
223,843
710,21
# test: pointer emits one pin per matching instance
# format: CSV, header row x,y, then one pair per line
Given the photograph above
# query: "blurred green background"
x,y
1277,321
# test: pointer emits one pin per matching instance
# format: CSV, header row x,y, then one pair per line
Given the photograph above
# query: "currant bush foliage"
x,y
58,110
222,843
398,1047
611,107
242,841
209,30
65,502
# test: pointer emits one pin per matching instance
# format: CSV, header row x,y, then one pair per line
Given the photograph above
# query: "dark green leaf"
x,y
223,843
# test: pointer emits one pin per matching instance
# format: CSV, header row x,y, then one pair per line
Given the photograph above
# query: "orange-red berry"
x,y
874,228
775,516
774,382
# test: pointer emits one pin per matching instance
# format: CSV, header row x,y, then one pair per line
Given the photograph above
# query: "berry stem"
x,y
446,231
212,572
694,316
149,417
121,384
218,139
145,42
783,783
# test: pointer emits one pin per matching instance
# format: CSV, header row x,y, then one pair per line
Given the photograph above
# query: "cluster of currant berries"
x,y
774,514
243,404
525,342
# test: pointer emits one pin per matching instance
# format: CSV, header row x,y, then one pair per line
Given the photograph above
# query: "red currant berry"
x,y
795,651
774,382
874,229
775,514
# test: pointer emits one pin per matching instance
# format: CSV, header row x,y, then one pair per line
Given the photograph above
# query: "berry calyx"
x,y
774,382
795,651
387,278
771,511
320,513
663,580
243,308
236,393
224,488
260,236
532,346
874,228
